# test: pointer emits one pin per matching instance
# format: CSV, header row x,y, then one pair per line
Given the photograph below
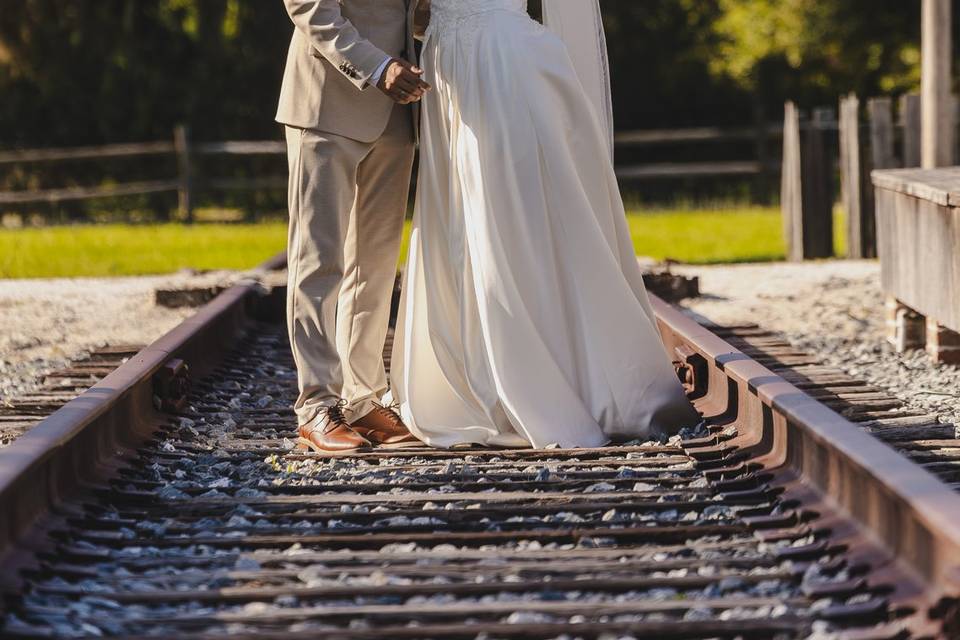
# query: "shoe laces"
x,y
391,411
335,417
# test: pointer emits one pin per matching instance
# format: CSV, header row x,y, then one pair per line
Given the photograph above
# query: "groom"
x,y
348,105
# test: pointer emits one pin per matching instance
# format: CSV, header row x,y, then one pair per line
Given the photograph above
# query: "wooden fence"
x,y
188,180
811,160
184,184
761,136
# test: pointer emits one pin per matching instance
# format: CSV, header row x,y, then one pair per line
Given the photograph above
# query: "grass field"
x,y
697,236
708,236
115,250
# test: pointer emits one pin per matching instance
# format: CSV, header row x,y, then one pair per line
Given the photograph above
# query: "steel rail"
x,y
913,516
71,447
859,495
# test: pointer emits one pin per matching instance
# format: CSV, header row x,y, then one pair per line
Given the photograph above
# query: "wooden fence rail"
x,y
699,134
86,153
187,182
184,184
760,135
88,193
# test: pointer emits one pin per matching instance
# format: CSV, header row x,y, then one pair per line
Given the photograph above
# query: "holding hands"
x,y
401,81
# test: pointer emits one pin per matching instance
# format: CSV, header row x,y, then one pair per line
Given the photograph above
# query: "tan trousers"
x,y
347,204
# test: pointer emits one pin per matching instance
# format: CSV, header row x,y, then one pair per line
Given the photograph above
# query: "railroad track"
x,y
58,387
920,435
780,519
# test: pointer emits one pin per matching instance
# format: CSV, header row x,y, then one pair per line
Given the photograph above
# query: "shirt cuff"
x,y
375,78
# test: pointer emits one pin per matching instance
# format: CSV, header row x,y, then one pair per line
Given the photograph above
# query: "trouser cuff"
x,y
309,411
356,410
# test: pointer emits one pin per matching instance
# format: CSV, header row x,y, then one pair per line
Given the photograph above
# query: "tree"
x,y
89,71
660,52
814,51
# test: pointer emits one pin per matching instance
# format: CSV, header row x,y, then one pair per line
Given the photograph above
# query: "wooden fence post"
x,y
910,121
855,185
807,186
818,189
761,149
880,114
791,194
955,111
850,193
181,143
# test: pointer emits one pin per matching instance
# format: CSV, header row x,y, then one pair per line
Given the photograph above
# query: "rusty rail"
x,y
858,498
914,517
69,449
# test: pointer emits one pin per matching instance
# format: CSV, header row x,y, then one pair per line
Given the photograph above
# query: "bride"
x,y
524,320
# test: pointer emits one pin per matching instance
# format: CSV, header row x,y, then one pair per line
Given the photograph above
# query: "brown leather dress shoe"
x,y
328,432
383,425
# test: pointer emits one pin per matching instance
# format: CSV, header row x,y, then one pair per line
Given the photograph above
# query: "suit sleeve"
x,y
336,39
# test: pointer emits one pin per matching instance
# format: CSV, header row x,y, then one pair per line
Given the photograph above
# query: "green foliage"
x,y
717,61
92,71
811,48
660,54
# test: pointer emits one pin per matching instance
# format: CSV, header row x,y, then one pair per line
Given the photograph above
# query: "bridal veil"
x,y
579,24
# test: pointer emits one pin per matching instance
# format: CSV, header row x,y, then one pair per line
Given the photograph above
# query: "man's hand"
x,y
401,82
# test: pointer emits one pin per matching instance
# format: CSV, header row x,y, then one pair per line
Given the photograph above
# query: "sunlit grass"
x,y
700,236
117,250
741,234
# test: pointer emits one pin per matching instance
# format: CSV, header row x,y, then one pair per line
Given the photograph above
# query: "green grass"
x,y
743,234
118,250
704,236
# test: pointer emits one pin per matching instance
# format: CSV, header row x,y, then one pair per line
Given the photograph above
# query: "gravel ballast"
x,y
220,527
46,323
834,310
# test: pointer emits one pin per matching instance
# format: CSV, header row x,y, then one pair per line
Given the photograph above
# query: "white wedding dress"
x,y
524,320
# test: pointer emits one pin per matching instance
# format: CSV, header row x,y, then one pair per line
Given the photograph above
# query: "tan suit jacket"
x,y
337,46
